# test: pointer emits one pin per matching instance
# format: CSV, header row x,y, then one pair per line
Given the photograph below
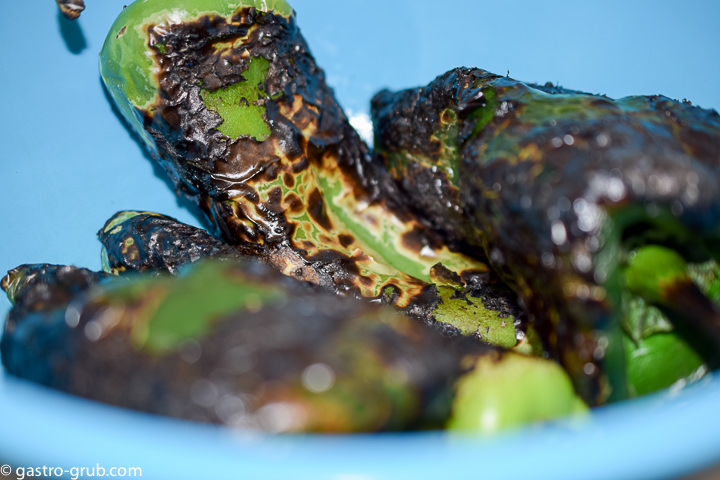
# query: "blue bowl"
x,y
657,437
68,164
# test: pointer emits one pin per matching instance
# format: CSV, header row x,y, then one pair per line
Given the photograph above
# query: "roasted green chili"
x,y
601,215
242,345
557,188
250,132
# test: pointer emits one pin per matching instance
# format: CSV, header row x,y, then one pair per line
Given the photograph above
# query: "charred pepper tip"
x,y
125,66
119,218
71,9
10,282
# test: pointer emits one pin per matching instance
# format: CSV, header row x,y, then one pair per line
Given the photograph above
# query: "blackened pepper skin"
x,y
232,105
32,342
144,241
476,305
557,188
252,349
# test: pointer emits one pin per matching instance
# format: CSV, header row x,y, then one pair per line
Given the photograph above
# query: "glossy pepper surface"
x,y
149,242
237,343
227,343
229,100
556,188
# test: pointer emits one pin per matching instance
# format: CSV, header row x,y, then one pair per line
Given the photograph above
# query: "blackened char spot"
x,y
423,305
270,172
274,203
316,209
300,165
414,240
329,255
440,273
346,240
341,269
288,180
293,203
498,297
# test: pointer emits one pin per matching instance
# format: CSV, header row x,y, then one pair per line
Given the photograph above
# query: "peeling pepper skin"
x,y
555,187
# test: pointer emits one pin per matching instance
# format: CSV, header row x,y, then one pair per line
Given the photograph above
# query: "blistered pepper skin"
x,y
256,183
253,347
99,324
231,103
236,343
475,306
144,241
33,331
553,186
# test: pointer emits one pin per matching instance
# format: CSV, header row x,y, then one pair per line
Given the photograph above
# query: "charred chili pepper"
x,y
145,241
557,187
242,345
228,99
232,105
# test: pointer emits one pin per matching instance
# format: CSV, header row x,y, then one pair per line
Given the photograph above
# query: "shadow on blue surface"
x,y
72,34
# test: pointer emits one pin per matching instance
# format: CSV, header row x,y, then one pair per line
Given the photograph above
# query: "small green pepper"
x,y
511,391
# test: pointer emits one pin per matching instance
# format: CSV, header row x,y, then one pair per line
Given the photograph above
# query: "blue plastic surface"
x,y
68,164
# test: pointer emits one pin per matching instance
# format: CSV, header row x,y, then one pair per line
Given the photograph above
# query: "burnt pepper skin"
x,y
255,184
72,280
477,305
229,100
145,241
253,349
40,294
239,344
556,187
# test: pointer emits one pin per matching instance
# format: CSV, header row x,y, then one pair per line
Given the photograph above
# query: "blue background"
x,y
67,164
